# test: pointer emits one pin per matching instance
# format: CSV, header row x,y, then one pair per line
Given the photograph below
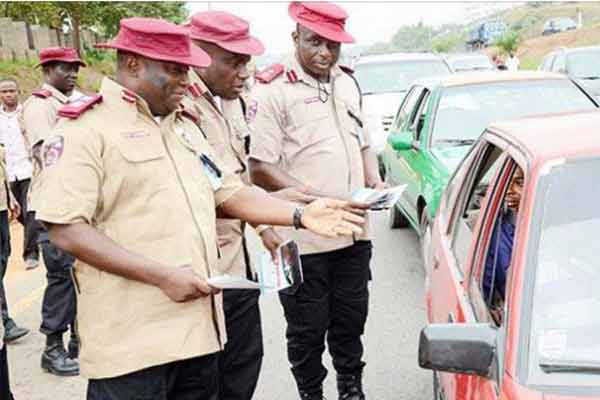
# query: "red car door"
x,y
455,238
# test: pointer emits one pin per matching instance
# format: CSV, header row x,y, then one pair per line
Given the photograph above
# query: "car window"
x,y
584,64
396,76
489,278
407,106
418,119
547,66
467,207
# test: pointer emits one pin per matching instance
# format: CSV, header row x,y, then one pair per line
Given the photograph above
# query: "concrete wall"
x,y
15,43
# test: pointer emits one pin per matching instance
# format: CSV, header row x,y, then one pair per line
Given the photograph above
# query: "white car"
x,y
384,81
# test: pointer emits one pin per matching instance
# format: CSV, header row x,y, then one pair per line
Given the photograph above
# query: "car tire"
x,y
396,218
425,237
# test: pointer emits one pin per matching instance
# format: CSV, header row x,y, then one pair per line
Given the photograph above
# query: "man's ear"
x,y
295,37
134,64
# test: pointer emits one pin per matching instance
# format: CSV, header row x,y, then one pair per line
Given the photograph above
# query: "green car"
x,y
441,118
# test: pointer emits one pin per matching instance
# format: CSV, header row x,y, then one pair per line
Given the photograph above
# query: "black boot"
x,y
55,358
350,387
317,395
73,346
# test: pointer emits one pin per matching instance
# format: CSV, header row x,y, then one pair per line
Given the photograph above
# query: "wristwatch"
x,y
298,212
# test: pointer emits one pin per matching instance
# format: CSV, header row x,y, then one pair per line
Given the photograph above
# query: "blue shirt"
x,y
500,252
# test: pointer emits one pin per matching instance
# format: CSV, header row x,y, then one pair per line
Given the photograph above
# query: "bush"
x,y
508,43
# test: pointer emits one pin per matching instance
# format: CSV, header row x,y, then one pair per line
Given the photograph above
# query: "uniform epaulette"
x,y
79,106
270,73
190,115
42,93
346,69
195,90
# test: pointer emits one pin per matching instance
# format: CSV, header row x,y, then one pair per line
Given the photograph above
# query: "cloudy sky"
x,y
369,22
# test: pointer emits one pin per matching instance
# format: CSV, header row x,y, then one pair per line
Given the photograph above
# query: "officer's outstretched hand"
x,y
332,218
182,284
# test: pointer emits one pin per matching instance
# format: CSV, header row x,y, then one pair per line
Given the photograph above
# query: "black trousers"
x,y
27,218
59,302
240,362
4,254
4,381
333,301
192,379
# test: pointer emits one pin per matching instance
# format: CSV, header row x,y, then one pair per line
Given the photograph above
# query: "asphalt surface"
x,y
396,315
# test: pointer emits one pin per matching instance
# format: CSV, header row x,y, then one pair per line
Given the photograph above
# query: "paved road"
x,y
396,315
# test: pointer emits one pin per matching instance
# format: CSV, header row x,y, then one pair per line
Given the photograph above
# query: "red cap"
x,y
63,54
225,30
325,19
158,40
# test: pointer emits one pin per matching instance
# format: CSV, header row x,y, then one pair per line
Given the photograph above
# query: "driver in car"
x,y
501,246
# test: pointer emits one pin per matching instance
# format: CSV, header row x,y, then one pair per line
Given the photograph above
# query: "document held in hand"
x,y
272,276
379,199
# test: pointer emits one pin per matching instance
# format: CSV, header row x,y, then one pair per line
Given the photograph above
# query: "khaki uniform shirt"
x,y
316,142
226,130
143,185
38,118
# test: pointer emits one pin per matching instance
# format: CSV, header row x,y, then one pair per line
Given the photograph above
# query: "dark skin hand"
x,y
61,75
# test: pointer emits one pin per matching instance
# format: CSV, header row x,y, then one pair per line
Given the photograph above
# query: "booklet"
x,y
379,199
272,276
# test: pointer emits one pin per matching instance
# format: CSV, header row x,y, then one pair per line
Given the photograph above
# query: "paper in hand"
x,y
379,199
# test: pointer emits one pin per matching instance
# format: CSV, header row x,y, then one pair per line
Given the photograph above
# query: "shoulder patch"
x,y
190,115
346,69
79,106
42,93
268,74
194,90
52,149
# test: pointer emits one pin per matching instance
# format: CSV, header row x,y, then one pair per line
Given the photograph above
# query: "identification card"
x,y
213,172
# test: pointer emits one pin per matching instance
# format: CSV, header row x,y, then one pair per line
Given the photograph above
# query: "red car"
x,y
513,285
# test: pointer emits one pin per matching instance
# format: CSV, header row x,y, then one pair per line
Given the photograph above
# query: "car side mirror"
x,y
401,141
460,348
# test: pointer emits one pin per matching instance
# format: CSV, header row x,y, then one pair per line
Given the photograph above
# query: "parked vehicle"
x,y
582,64
486,33
384,80
540,339
470,62
557,25
440,119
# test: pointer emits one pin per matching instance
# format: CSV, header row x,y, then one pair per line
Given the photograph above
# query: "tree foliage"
x,y
101,16
508,43
421,37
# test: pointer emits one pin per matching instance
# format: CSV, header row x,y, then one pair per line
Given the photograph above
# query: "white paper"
x,y
232,282
379,199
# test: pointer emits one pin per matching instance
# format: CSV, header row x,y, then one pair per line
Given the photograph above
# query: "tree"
x,y
508,43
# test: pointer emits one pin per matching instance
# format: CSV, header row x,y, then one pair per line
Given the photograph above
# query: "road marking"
x,y
29,300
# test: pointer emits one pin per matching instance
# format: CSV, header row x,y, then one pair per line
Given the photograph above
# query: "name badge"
x,y
213,172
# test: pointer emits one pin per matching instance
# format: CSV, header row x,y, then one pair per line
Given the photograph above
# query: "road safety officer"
x,y
40,114
140,189
215,93
307,129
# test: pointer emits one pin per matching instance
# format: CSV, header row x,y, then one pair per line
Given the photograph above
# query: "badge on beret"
x,y
251,112
52,150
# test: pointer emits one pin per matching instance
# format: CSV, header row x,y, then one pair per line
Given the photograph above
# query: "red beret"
x,y
225,30
325,19
158,40
63,54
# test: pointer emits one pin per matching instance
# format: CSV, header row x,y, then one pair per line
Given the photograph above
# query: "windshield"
x,y
471,63
565,322
464,112
584,64
396,76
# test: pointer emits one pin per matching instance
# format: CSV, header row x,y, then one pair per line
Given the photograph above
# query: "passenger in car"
x,y
501,244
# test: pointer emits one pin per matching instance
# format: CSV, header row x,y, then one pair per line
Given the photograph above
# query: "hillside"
x,y
533,50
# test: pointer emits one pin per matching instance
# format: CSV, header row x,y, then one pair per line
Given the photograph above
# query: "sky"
x,y
369,21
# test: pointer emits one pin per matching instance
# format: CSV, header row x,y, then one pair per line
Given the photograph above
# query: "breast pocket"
x,y
142,163
353,124
313,123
